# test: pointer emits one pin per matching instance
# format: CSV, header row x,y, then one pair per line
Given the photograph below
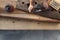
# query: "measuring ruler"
x,y
55,4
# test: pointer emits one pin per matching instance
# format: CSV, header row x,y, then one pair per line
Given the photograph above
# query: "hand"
x,y
45,4
31,7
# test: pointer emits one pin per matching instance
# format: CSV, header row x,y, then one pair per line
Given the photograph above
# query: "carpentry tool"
x,y
39,9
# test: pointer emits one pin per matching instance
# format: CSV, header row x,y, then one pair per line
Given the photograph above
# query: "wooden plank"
x,y
23,15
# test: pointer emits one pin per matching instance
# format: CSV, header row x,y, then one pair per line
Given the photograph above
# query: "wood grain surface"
x,y
20,14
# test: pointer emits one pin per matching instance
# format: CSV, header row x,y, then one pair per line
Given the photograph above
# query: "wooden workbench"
x,y
13,24
20,14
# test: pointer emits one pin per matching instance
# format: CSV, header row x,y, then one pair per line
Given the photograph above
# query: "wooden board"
x,y
23,15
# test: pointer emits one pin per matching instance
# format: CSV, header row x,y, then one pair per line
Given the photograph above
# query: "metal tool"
x,y
39,9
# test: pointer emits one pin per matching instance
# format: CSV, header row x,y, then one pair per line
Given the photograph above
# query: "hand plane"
x,y
39,9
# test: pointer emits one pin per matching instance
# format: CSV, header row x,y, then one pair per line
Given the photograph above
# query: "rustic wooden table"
x,y
8,23
20,14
